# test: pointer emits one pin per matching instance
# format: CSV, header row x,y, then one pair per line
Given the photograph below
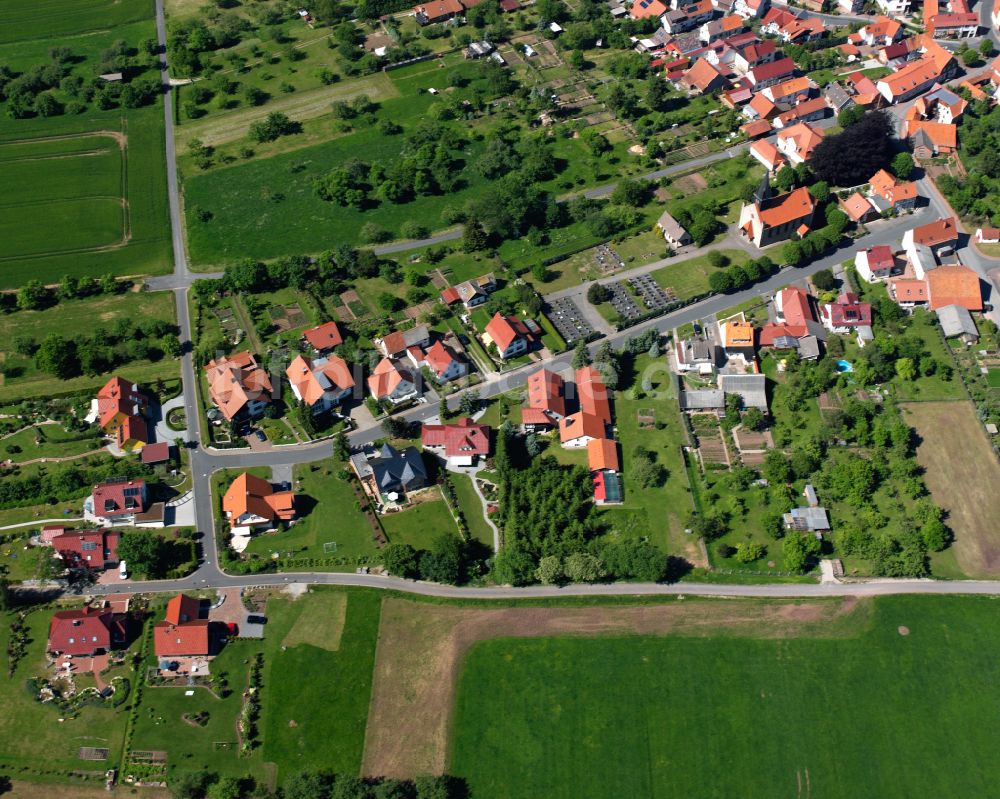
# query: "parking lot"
x,y
569,320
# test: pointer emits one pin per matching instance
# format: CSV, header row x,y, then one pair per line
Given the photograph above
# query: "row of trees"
x,y
36,296
314,785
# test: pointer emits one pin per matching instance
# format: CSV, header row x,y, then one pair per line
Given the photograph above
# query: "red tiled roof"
x,y
450,295
234,380
593,394
795,306
504,329
181,632
324,337
83,631
702,76
546,393
759,127
848,312
907,290
385,378
954,285
249,494
119,498
602,453
119,396
936,233
772,331
156,453
798,204
857,207
773,69
182,609
439,358
536,416
578,425
464,438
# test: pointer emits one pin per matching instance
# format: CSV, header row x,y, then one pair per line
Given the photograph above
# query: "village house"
x,y
765,75
753,53
737,338
578,429
687,16
470,293
694,354
238,387
760,108
858,208
321,384
775,219
86,632
672,231
510,335
720,29
954,284
703,78
117,502
593,395
602,454
940,105
750,388
391,472
807,111
90,549
644,9
798,142
439,359
252,503
751,9
940,237
182,633
767,154
437,11
848,315
121,409
546,400
790,91
323,338
928,139
392,382
396,344
880,32
908,293
916,77
894,8
888,193
462,443
878,263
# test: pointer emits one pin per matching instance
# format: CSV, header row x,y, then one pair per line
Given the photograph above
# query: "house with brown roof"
x,y
86,632
121,409
461,443
252,502
917,76
753,53
790,91
756,129
470,293
393,382
437,11
602,454
238,387
324,337
510,335
593,395
939,236
117,502
954,284
703,77
797,142
321,383
940,104
908,293
775,219
760,107
928,139
182,633
720,28
396,344
847,314
764,75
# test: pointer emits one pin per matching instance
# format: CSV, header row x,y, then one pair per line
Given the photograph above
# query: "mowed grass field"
x,y
870,712
70,319
963,477
86,194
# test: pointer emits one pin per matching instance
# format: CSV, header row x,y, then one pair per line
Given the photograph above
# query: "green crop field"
x,y
897,703
993,377
86,191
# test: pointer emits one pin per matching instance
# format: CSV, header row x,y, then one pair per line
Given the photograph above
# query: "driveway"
x,y
163,431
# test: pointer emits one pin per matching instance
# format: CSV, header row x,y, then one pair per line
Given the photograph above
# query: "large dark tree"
x,y
850,158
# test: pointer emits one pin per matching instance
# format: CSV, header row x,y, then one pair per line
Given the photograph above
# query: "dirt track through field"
x,y
421,648
963,477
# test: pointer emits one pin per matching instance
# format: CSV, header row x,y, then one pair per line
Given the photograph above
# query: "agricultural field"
x,y
74,320
927,664
962,474
90,164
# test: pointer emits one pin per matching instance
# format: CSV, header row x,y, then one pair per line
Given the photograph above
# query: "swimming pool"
x,y
844,366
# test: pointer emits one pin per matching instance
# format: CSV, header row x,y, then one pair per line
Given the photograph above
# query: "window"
x,y
72,640
88,546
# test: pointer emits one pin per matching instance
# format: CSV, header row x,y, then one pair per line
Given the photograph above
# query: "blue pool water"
x,y
844,366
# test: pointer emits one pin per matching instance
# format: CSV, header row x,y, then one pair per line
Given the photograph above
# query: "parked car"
x,y
232,629
260,435
256,619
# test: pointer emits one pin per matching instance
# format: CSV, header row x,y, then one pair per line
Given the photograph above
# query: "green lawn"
x,y
472,507
420,524
47,441
329,512
848,709
84,205
689,278
316,700
28,728
71,319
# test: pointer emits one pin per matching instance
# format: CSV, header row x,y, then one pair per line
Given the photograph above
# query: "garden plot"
x,y
286,317
711,445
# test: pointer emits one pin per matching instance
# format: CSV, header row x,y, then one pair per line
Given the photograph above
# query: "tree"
x,y
400,559
582,567
143,551
986,47
824,280
550,570
785,179
851,157
468,403
33,296
307,785
341,449
189,784
635,193
226,788
749,551
849,116
444,562
820,190
597,294
273,126
57,356
776,468
718,259
902,164
905,369
798,550
720,282
581,355
474,237
753,419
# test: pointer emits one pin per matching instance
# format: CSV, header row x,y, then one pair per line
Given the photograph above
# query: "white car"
x,y
123,570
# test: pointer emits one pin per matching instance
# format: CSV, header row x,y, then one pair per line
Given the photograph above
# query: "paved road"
x,y
176,227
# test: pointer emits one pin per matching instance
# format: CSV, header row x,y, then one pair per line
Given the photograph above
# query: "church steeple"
x,y
763,190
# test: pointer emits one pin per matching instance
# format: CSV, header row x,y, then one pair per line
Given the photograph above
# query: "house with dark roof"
x,y
957,322
847,314
396,471
86,632
462,443
694,354
751,389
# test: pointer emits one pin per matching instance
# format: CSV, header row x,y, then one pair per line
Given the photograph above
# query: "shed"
x,y
957,321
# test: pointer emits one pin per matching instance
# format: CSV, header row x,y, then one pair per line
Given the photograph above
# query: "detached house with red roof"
x,y
546,400
321,384
751,9
121,409
765,75
848,315
703,78
238,387
797,142
442,362
323,338
182,633
888,192
117,501
86,632
251,501
87,549
461,443
877,263
510,335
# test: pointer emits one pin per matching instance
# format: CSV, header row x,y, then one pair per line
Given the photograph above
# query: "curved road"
x,y
204,461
